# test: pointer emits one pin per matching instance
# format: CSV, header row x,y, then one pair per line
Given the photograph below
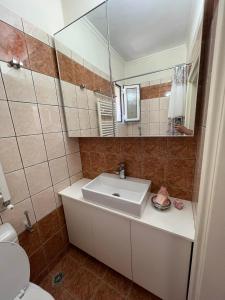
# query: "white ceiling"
x,y
142,27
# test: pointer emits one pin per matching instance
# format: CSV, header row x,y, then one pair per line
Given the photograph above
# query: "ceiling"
x,y
142,27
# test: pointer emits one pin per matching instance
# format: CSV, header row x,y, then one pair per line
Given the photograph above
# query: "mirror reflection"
x,y
147,53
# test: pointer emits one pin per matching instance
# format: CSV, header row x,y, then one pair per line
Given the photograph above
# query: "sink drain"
x,y
116,194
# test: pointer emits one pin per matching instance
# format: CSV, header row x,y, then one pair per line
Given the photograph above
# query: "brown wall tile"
x,y
155,91
78,73
48,226
42,57
12,44
169,161
30,241
88,78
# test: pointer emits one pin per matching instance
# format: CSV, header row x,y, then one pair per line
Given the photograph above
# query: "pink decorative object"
x,y
178,204
162,196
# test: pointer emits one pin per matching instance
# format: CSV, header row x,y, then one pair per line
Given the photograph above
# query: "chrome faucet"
x,y
122,172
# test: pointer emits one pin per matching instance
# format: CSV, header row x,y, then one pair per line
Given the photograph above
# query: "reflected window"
x,y
132,102
118,100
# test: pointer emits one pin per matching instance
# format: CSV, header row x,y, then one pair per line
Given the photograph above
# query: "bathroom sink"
x,y
126,195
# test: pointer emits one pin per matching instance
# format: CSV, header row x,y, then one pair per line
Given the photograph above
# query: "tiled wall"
x,y
169,161
149,91
80,104
154,118
37,157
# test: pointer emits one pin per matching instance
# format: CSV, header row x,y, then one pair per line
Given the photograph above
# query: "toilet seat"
x,y
34,292
15,275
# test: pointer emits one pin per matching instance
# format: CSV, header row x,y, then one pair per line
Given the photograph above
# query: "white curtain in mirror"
x,y
178,91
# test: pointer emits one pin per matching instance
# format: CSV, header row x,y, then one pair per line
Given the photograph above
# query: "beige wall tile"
x,y
35,32
164,103
9,17
16,216
50,118
38,178
154,104
2,89
9,154
72,118
18,84
74,163
154,116
93,118
45,89
144,105
145,116
25,118
163,115
84,119
82,100
58,169
6,125
76,177
44,203
74,133
17,185
32,149
92,100
69,94
62,118
54,145
85,132
71,144
59,92
95,132
154,129
59,187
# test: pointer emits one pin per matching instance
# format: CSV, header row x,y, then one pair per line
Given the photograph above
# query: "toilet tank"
x,y
8,233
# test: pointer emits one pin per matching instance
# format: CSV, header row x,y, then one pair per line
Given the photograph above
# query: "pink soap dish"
x,y
158,206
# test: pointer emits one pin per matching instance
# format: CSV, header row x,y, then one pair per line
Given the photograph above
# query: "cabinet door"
x,y
160,261
79,224
112,241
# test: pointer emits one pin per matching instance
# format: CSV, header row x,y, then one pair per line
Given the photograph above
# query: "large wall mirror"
x,y
130,68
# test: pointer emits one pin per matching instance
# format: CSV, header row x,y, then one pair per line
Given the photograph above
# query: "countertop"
x,y
174,221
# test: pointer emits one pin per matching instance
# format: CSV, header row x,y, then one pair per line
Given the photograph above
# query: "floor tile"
x,y
118,282
105,292
85,278
138,293
82,285
78,255
67,265
58,292
95,266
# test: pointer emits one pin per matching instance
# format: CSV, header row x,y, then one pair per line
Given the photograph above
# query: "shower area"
x,y
152,104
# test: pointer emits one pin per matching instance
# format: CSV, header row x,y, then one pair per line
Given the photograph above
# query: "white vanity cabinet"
x,y
112,241
154,251
104,235
160,261
79,224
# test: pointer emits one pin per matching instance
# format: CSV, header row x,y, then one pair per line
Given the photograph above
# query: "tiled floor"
x,y
87,279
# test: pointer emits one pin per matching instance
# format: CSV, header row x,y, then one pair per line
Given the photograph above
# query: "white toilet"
x,y
15,270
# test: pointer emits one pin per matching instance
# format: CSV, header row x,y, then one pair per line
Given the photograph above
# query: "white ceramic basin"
x,y
126,195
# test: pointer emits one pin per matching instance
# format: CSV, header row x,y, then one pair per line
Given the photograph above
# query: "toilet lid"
x,y
14,270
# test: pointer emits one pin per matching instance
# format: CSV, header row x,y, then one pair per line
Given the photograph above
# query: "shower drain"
x,y
57,279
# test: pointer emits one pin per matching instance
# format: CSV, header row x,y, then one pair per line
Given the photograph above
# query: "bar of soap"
x,y
161,199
